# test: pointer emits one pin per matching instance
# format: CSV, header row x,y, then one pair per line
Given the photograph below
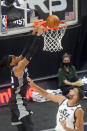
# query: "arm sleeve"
x,y
25,50
34,48
28,46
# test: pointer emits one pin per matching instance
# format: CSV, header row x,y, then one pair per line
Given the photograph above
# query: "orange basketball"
x,y
53,21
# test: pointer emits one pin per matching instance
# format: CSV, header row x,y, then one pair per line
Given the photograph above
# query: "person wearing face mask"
x,y
67,76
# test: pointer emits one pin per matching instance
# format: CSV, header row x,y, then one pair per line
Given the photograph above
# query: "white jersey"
x,y
67,113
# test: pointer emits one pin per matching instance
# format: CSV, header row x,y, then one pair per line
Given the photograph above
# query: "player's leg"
x,y
15,122
20,127
28,124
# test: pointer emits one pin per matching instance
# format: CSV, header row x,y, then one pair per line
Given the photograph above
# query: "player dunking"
x,y
70,114
20,115
29,51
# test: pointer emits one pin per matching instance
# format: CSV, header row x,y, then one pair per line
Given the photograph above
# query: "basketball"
x,y
53,21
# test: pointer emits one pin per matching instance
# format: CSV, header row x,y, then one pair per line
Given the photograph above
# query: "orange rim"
x,y
61,25
39,22
44,23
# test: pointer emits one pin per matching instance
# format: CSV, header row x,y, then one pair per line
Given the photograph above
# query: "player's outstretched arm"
x,y
45,94
79,115
28,53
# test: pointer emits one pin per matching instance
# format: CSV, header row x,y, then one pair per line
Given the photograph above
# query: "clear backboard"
x,y
18,17
66,10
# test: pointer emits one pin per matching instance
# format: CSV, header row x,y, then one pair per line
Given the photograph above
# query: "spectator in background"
x,y
67,76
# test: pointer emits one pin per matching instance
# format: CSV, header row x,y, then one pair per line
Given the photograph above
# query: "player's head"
x,y
76,93
13,60
66,59
10,60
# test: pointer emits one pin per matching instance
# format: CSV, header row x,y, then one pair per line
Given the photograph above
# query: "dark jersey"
x,y
19,85
17,102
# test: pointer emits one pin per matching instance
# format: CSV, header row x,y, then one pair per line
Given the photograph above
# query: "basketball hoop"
x,y
52,36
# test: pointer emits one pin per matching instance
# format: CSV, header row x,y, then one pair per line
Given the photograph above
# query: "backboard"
x,y
16,20
30,10
66,10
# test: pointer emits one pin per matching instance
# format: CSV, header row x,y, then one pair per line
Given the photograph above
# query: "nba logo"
x,y
4,22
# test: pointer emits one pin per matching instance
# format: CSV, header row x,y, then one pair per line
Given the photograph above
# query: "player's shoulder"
x,y
79,111
63,100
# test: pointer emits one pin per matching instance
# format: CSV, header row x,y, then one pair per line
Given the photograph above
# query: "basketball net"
x,y
53,37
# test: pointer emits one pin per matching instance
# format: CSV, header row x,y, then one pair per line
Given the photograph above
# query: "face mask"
x,y
66,64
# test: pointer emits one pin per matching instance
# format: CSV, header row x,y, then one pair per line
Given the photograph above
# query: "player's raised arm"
x,y
45,94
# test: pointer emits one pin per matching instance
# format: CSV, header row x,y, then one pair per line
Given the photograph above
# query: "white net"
x,y
52,39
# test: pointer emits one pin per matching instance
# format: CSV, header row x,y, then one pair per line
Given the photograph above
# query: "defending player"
x,y
70,114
